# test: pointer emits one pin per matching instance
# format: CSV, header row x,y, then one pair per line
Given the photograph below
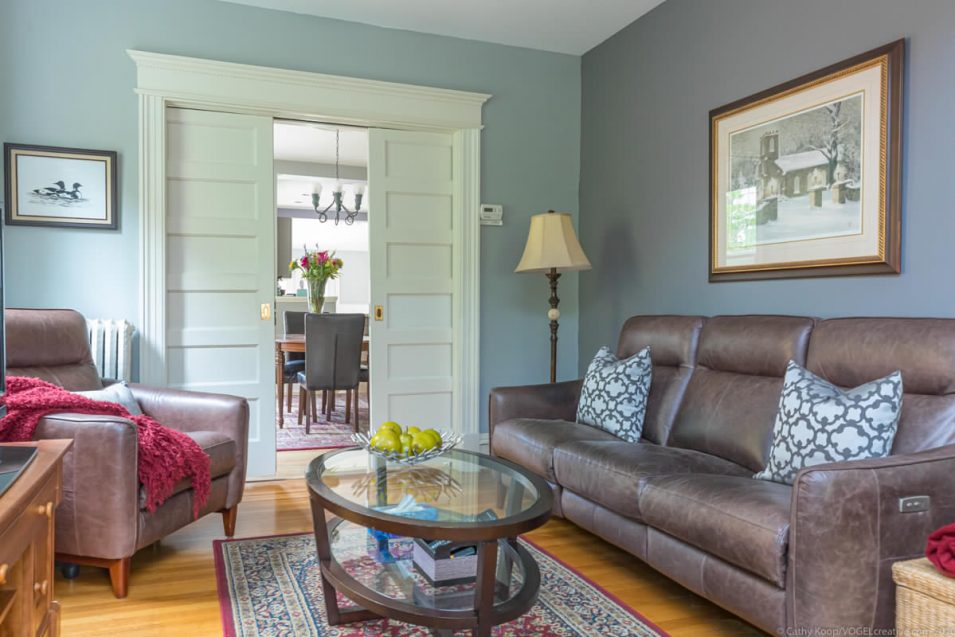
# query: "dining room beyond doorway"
x,y
322,267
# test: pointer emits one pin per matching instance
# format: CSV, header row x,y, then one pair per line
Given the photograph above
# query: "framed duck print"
x,y
805,177
65,187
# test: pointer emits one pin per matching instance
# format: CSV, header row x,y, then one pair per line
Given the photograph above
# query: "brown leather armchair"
x,y
102,520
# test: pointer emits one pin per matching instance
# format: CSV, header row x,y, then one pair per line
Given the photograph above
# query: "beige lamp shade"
x,y
552,243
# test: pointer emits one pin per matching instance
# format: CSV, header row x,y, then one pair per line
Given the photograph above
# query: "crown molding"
x,y
302,94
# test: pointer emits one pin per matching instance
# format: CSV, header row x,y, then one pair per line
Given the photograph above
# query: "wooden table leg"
x,y
485,587
279,384
334,613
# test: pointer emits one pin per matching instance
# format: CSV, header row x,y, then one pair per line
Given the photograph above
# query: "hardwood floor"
x,y
173,589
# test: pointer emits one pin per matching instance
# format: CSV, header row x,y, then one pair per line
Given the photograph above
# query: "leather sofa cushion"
x,y
730,404
762,345
610,472
50,345
740,520
851,351
672,341
531,442
221,450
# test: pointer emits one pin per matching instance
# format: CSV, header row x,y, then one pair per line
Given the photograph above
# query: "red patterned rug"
x,y
271,586
326,434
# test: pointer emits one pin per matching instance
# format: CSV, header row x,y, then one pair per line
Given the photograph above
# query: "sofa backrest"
x,y
673,343
730,403
852,351
51,345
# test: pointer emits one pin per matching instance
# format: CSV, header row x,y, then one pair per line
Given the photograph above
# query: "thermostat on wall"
x,y
492,214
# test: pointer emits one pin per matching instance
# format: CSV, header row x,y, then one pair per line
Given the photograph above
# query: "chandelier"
x,y
342,212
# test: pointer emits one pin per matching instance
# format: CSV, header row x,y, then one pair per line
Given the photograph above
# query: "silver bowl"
x,y
448,441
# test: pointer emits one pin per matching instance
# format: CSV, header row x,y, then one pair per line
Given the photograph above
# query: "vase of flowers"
x,y
317,267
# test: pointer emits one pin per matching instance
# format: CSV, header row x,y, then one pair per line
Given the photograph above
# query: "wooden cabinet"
x,y
27,605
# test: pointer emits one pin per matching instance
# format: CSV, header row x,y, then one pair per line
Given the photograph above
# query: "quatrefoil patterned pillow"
x,y
819,423
614,393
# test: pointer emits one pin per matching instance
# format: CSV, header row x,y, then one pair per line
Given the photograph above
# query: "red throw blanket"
x,y
166,456
941,549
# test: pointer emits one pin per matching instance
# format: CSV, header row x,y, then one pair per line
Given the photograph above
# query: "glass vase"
x,y
316,295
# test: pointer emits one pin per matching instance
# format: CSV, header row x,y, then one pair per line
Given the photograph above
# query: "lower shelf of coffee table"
x,y
380,576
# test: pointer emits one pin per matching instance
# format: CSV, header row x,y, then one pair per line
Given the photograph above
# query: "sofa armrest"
x,y
846,530
553,401
189,411
99,511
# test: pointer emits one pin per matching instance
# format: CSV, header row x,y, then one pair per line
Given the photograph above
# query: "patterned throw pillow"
x,y
614,394
819,422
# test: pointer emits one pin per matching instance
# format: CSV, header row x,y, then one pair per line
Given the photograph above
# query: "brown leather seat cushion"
x,y
531,442
221,450
609,472
738,519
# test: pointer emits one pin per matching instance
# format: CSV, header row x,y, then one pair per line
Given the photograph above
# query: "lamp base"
x,y
553,314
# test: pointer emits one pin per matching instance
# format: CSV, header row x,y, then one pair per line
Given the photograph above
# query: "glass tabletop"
x,y
390,567
456,488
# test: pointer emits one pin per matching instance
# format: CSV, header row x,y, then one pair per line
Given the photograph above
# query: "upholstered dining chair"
x,y
294,361
332,363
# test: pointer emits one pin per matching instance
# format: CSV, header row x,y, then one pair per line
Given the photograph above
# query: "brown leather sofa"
x,y
815,555
102,520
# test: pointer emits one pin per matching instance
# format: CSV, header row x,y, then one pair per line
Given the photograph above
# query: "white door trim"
x,y
171,80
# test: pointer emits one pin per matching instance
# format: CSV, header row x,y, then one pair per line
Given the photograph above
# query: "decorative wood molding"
x,y
467,195
300,94
152,239
171,80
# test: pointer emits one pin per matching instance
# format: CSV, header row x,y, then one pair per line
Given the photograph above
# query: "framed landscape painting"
x,y
65,187
805,176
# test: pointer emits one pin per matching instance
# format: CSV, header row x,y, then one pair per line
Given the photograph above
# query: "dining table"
x,y
291,343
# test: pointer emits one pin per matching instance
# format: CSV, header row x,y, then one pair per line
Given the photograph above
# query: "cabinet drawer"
x,y
31,521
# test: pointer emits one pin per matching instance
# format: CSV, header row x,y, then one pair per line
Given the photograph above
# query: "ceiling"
x,y
304,141
561,26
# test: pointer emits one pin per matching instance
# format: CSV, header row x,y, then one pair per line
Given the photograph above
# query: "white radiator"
x,y
111,342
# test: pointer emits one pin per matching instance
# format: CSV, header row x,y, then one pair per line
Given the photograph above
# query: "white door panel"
x,y
220,244
413,270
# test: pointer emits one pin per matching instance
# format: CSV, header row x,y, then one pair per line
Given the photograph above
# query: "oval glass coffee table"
x,y
378,508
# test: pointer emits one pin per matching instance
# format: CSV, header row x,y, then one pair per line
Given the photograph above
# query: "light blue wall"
x,y
647,93
66,80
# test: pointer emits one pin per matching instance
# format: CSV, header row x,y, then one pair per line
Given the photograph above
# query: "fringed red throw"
x,y
941,549
166,456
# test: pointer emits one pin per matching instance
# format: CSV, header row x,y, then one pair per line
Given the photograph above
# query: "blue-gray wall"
x,y
647,93
65,80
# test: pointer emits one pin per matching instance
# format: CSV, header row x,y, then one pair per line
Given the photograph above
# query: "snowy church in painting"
x,y
804,173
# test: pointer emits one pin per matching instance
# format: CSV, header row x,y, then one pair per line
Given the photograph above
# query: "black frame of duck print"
x,y
60,187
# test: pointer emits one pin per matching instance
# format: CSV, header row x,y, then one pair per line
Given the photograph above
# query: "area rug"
x,y
270,587
326,434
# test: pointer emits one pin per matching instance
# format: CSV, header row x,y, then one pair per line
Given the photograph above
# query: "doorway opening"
x,y
317,166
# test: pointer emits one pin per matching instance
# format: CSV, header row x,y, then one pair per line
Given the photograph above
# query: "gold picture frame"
x,y
805,177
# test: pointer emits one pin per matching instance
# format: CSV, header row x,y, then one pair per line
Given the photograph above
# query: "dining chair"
x,y
294,361
332,362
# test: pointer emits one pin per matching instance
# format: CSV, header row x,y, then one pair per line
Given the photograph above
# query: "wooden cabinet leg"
x,y
119,576
228,519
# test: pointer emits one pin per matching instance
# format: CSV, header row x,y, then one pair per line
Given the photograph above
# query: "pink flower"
x,y
322,257
304,261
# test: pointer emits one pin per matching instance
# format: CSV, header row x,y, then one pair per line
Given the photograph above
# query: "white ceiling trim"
x,y
304,95
559,26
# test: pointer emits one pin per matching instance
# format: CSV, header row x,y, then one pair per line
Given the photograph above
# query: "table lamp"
x,y
552,248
